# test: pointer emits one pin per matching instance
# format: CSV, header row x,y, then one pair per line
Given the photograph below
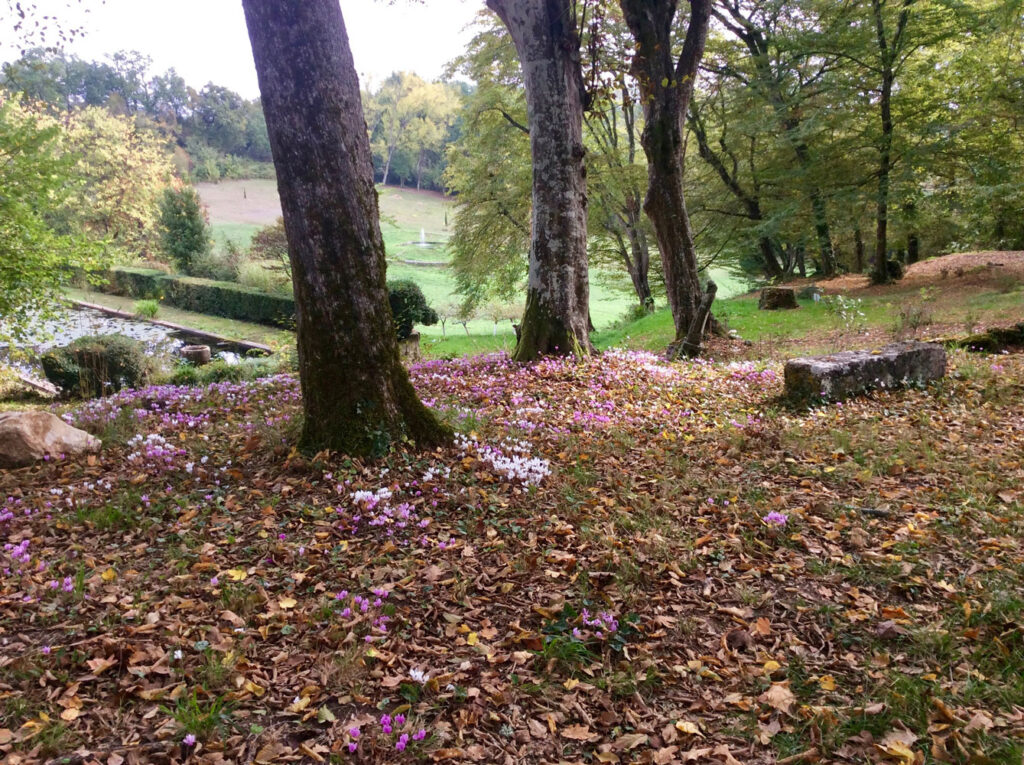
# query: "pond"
x,y
82,322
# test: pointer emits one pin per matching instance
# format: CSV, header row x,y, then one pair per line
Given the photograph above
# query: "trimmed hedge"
x,y
227,299
145,283
233,301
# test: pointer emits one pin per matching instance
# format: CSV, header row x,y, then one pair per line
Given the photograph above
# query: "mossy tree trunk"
x,y
556,320
667,86
356,395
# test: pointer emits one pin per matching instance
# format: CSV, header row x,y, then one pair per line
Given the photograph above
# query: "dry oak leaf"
x,y
778,697
579,733
629,741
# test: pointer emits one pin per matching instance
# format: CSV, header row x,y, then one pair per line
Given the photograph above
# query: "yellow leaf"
x,y
472,639
109,575
255,690
771,666
687,727
287,602
69,714
827,683
236,574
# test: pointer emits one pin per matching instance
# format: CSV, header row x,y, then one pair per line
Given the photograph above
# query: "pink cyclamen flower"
x,y
352,746
419,735
189,740
775,518
46,649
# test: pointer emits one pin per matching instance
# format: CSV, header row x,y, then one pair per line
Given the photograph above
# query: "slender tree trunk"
x,y
750,200
387,166
858,249
356,395
667,87
558,291
881,274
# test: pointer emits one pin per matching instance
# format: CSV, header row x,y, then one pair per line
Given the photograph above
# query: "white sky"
x,y
206,40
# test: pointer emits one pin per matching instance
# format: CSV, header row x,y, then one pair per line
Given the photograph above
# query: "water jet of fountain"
x,y
423,237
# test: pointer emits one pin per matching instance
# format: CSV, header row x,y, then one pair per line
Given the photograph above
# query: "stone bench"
x,y
841,375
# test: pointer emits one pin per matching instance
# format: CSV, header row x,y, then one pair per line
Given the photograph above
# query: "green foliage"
x,y
201,718
93,366
136,282
221,371
271,243
184,229
147,309
232,301
409,307
35,261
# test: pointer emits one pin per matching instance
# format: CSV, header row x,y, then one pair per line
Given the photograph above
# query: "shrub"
x,y
92,366
147,309
409,306
270,243
137,282
221,267
184,231
221,371
258,277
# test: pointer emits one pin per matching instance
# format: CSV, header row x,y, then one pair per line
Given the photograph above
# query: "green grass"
x,y
404,214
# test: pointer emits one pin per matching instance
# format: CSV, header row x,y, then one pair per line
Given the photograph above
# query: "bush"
x,y
221,267
221,371
409,306
270,243
136,282
184,230
93,366
147,309
261,278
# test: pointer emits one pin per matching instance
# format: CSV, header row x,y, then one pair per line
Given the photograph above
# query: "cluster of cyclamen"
x,y
373,508
602,625
18,554
388,724
509,459
155,451
359,606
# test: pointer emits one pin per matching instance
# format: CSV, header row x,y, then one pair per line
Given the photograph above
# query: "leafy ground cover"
x,y
619,561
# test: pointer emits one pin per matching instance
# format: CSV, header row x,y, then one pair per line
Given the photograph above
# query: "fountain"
x,y
423,237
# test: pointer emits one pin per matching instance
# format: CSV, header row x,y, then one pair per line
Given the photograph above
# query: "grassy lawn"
x,y
405,213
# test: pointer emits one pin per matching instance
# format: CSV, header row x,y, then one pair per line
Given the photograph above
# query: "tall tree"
x,y
357,397
557,318
667,86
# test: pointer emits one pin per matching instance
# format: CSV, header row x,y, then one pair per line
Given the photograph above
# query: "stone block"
x,y
849,373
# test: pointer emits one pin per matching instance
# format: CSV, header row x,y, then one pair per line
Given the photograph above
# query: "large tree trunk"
x,y
356,395
558,291
667,86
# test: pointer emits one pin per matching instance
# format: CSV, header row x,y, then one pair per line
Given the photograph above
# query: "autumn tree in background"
x,y
35,260
357,397
556,319
667,86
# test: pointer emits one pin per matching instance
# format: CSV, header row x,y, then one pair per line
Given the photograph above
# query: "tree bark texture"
x,y
558,290
667,87
356,395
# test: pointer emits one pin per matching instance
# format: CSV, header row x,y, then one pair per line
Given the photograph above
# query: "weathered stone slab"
x,y
775,298
409,349
27,437
850,373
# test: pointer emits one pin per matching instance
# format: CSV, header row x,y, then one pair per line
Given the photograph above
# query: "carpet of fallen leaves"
x,y
619,561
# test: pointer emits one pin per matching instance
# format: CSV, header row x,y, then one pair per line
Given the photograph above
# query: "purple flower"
x,y
419,735
402,741
775,518
189,740
353,732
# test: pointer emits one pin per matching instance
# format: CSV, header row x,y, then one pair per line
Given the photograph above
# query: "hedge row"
x,y
227,299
